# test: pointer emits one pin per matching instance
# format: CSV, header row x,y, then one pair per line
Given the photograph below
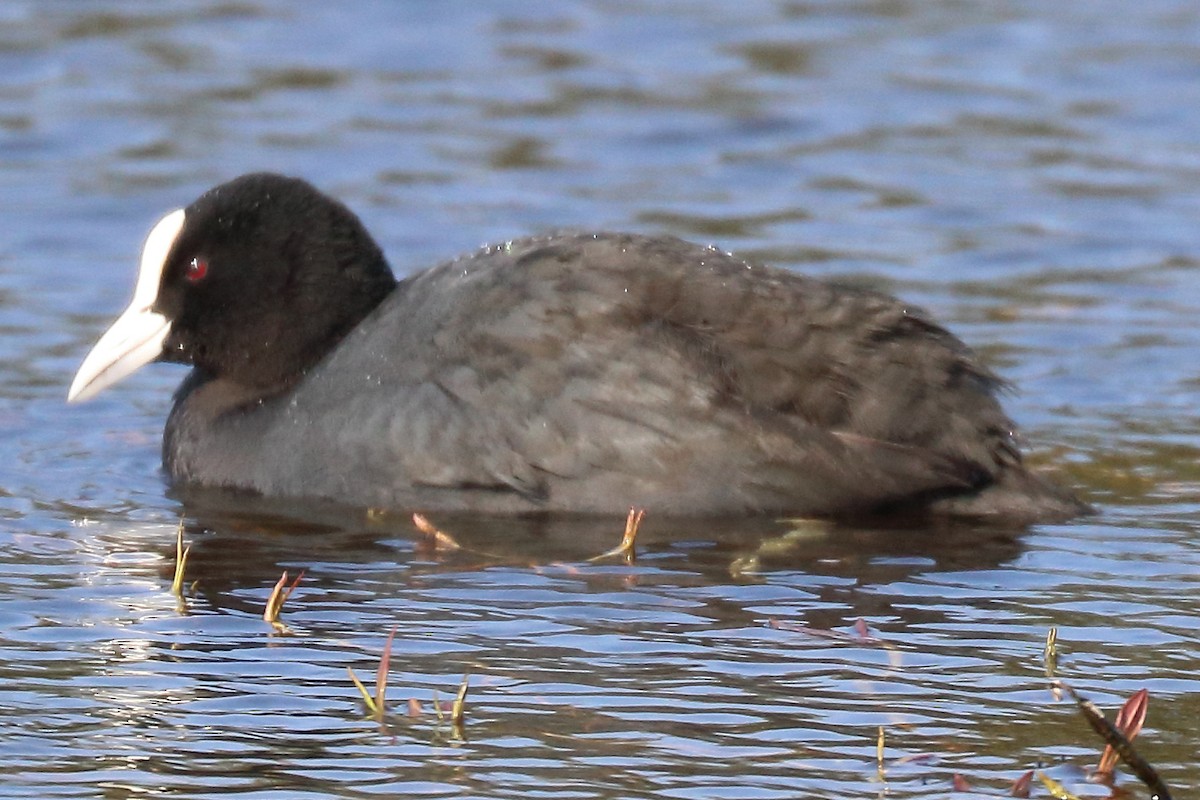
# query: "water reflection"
x,y
241,542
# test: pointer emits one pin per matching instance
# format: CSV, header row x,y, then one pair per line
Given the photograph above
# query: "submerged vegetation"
x,y
181,557
1117,736
627,549
377,703
277,598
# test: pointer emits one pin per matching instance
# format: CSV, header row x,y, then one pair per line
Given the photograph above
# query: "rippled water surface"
x,y
1029,171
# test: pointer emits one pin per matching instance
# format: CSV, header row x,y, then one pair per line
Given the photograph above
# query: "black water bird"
x,y
581,372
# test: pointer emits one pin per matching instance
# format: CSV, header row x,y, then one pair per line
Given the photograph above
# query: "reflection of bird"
x,y
580,372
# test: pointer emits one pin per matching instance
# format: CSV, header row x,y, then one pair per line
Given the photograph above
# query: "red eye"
x,y
196,270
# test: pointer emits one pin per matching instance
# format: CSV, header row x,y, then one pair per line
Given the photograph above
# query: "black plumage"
x,y
577,372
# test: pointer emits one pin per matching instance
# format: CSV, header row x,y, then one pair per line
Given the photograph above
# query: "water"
x,y
1029,171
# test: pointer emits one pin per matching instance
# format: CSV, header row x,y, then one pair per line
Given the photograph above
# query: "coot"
x,y
583,372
